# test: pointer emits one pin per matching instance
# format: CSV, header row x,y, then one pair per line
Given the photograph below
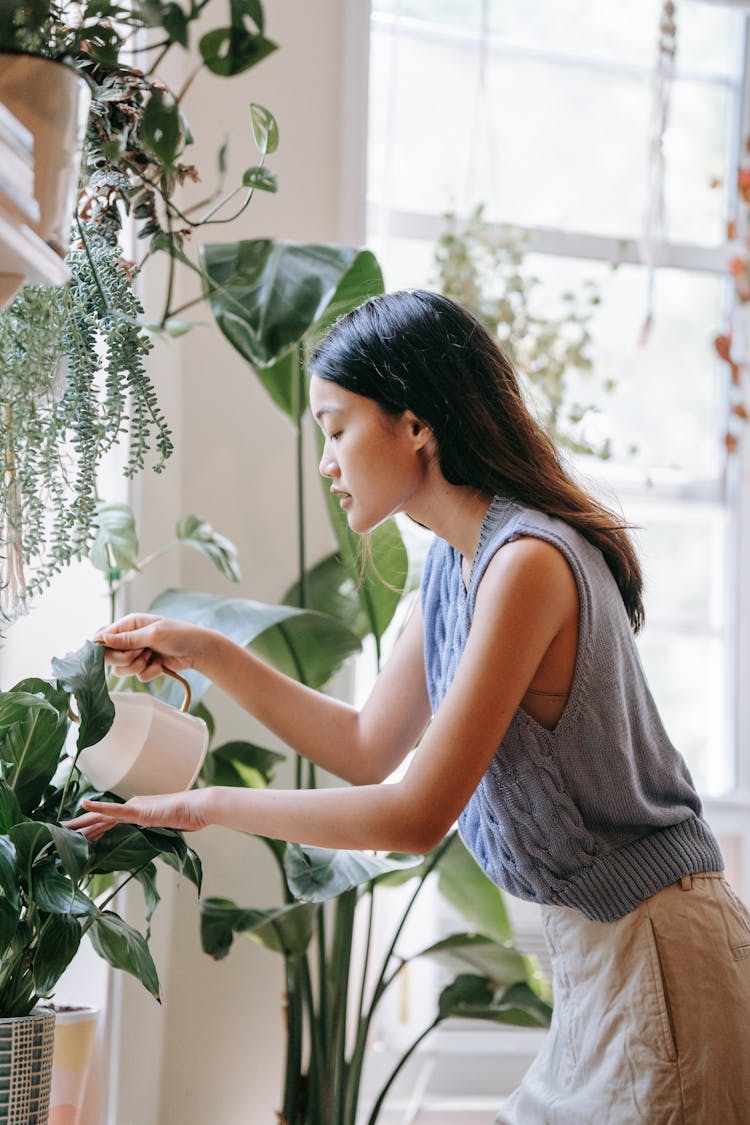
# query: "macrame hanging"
x,y
653,234
482,139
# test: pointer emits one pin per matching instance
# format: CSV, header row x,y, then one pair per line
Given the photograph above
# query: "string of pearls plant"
x,y
72,384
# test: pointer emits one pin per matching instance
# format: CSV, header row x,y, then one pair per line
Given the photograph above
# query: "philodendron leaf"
x,y
73,849
260,179
58,944
161,128
475,953
285,929
231,50
30,747
196,532
380,588
116,544
471,996
8,924
317,874
240,764
123,848
124,948
55,893
463,883
269,296
82,673
146,876
302,643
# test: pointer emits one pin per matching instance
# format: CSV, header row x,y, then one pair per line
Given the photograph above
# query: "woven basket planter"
x,y
26,1048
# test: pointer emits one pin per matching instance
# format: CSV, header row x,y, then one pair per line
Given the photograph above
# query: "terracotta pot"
x,y
75,1035
52,101
26,1045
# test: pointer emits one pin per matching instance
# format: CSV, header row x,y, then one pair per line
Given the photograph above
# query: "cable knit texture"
x,y
601,812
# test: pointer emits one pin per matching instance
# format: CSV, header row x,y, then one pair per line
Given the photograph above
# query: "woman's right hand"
x,y
143,645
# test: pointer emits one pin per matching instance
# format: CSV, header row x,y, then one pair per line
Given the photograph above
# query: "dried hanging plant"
x,y
72,384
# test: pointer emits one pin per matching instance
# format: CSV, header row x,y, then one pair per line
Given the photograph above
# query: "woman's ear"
x,y
420,432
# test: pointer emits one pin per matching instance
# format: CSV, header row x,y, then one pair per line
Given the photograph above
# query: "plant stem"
x,y
292,1078
394,1073
299,410
84,241
358,1054
341,954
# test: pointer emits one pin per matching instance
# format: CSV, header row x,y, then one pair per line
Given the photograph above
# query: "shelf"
x,y
25,257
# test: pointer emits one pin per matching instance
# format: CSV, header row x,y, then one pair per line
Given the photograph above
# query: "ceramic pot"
x,y
26,1046
52,101
75,1036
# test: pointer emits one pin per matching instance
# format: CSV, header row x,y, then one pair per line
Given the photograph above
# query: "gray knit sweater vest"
x,y
601,812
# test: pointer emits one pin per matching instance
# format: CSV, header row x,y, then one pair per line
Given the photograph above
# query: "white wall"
x,y
213,1052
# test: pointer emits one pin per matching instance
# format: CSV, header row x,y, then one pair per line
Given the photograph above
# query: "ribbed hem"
x,y
617,882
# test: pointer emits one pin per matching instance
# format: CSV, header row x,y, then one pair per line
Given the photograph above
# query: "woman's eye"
x,y
335,437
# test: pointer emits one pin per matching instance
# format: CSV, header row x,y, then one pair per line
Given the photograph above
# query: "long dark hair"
x,y
420,351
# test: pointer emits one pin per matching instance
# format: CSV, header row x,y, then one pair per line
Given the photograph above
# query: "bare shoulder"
x,y
530,572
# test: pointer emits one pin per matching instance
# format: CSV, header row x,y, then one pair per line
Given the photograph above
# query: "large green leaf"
x,y
123,848
8,870
285,929
463,883
124,948
146,876
58,944
330,589
55,893
231,50
380,587
198,533
82,672
191,866
476,953
240,764
73,849
270,296
302,643
317,874
30,748
8,925
471,996
10,810
15,706
115,547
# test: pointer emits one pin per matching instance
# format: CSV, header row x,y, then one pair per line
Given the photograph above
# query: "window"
x,y
543,113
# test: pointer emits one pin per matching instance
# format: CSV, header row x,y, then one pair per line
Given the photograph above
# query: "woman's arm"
x,y
526,597
358,746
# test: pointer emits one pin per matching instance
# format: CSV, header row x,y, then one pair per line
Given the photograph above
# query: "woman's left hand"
x,y
187,812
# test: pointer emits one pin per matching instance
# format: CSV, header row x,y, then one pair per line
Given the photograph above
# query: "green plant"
x,y
73,382
137,129
487,274
273,301
56,886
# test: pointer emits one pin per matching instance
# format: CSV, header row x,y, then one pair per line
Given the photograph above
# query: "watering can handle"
x,y
167,672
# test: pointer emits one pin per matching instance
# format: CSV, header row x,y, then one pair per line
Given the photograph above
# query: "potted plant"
x,y
55,886
134,125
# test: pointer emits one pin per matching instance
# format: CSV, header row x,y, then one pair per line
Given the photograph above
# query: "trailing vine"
x,y
73,383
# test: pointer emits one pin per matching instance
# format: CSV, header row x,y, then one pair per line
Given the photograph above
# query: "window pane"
x,y
535,145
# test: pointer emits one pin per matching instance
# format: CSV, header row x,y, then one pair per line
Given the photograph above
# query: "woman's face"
x,y
376,462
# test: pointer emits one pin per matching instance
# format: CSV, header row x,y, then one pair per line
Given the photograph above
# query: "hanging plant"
x,y
551,353
72,384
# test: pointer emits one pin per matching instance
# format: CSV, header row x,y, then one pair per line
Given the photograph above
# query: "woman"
x,y
544,743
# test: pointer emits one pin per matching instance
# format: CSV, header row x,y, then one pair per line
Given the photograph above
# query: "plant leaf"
x,y
82,672
123,848
318,874
30,748
55,893
58,944
8,924
227,51
285,929
476,953
116,544
302,643
161,128
475,997
8,871
147,878
260,179
240,764
124,948
265,129
191,867
10,810
465,886
73,849
196,532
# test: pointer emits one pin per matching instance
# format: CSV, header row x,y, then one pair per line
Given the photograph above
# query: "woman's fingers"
x,y
92,825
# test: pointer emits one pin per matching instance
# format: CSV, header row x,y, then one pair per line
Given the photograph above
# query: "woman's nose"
x,y
327,466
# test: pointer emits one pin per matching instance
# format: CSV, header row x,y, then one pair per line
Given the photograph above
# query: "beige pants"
x,y
651,1017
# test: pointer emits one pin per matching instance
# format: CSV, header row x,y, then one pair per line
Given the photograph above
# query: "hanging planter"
x,y
26,1048
52,101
